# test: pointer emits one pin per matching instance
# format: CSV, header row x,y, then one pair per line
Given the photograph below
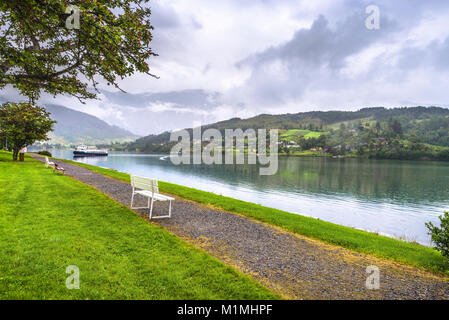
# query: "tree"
x,y
378,127
396,127
360,150
322,141
3,140
24,124
440,236
40,52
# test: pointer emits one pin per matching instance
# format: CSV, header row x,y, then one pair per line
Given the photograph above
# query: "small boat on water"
x,y
89,151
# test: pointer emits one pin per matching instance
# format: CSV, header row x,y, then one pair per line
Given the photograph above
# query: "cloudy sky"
x,y
233,58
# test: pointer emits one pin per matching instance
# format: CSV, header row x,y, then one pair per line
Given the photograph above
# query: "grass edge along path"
x,y
49,221
358,240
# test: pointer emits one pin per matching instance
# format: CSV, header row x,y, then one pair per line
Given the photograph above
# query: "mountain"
x,y
74,127
406,133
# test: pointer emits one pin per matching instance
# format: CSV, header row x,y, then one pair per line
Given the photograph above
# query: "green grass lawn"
x,y
305,133
49,221
292,134
314,134
361,241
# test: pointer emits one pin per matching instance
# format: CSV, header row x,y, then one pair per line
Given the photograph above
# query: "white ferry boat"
x,y
86,151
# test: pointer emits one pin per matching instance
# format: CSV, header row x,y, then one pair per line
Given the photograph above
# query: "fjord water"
x,y
390,197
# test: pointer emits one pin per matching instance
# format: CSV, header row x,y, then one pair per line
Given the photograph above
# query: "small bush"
x,y
440,236
45,153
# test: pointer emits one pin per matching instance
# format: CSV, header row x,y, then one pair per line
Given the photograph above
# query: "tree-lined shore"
x,y
400,133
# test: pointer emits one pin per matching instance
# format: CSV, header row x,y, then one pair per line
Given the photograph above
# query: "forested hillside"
x,y
399,133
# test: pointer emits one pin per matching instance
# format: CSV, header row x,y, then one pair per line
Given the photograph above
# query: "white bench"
x,y
149,188
54,165
48,163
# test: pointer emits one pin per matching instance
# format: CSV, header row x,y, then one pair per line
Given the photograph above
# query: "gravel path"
x,y
293,266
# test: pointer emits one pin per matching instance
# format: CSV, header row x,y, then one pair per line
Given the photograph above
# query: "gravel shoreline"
x,y
292,266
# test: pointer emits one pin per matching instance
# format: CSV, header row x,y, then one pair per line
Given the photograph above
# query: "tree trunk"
x,y
15,154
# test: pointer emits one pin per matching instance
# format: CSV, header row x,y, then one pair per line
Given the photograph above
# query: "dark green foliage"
x,y
440,236
23,124
38,53
433,131
396,128
45,153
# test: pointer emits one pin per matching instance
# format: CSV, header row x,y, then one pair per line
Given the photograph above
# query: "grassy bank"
x,y
361,241
49,221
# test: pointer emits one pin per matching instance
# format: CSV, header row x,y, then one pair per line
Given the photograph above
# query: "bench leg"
x,y
162,217
132,201
169,209
151,209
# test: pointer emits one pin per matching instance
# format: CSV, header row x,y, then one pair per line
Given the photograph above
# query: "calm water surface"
x,y
390,197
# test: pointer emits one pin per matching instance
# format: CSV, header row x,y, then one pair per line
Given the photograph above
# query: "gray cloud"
x,y
323,64
199,99
434,56
164,17
311,53
320,45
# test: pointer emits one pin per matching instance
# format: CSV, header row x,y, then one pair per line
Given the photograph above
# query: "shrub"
x,y
45,153
440,236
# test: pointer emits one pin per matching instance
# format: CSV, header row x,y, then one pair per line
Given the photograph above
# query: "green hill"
x,y
74,127
398,133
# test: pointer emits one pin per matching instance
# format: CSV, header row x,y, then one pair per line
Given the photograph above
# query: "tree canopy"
x,y
23,124
38,53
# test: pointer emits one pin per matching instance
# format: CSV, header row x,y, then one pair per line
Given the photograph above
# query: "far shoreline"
x,y
284,155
